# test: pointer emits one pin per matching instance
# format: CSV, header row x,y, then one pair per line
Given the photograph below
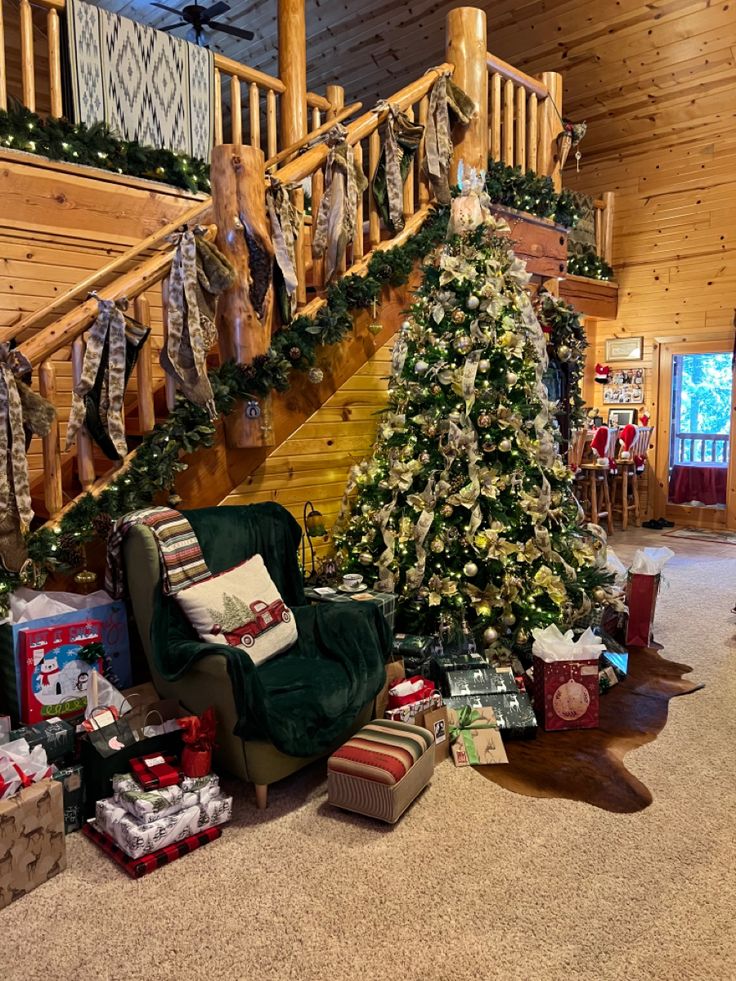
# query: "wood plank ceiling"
x,y
635,71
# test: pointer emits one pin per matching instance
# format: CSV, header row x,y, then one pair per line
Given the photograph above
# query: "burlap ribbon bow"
x,y
199,272
22,412
446,98
344,181
285,223
401,141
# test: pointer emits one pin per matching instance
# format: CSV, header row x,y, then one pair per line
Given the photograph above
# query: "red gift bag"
x,y
424,689
566,694
641,599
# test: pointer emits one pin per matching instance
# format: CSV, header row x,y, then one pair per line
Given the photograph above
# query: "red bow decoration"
x,y
199,732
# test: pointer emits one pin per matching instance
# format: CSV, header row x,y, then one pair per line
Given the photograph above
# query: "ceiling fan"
x,y
200,19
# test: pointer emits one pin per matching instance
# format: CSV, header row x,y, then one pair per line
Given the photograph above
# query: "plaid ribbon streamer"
x,y
182,561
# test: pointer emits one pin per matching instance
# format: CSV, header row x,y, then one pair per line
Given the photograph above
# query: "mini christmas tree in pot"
x,y
465,508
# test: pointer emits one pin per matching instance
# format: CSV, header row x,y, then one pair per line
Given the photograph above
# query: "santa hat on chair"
x,y
627,437
599,443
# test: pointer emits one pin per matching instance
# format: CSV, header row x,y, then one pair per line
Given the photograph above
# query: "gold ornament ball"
x,y
446,510
405,325
484,420
490,636
458,316
365,558
509,619
472,302
599,594
375,328
484,365
462,344
470,569
437,545
424,457
564,353
511,378
505,445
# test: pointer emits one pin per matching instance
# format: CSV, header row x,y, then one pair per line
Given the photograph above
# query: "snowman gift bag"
x,y
566,693
54,672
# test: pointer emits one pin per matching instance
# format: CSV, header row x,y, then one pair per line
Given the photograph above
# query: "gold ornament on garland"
x,y
375,326
458,316
490,636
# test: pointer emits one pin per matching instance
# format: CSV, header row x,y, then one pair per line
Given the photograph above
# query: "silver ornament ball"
x,y
420,367
490,636
509,619
484,365
511,378
470,569
564,353
472,302
505,445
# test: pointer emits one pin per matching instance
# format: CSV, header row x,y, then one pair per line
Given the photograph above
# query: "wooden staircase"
x,y
518,121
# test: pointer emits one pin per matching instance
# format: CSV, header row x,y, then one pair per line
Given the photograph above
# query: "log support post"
x,y
606,242
467,45
550,126
244,312
292,22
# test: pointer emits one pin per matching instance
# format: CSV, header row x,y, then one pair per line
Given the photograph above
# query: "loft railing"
x,y
604,226
252,95
705,448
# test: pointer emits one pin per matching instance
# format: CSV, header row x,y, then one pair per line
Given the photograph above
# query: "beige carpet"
x,y
474,883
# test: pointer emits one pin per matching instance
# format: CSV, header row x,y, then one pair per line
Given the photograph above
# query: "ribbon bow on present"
x,y
469,718
199,732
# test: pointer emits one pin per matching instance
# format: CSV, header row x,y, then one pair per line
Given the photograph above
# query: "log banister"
x,y
515,75
245,74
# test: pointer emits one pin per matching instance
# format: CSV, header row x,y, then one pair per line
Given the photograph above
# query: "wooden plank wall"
x,y
314,463
56,227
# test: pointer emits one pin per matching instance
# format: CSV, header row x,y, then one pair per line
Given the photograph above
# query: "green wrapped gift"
x,y
71,779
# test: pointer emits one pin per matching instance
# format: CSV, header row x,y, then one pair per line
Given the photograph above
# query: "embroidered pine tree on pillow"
x,y
242,608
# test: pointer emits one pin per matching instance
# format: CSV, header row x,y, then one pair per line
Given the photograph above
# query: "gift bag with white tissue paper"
x,y
566,694
642,587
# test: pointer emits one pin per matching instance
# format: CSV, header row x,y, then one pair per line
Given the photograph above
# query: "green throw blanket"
x,y
303,709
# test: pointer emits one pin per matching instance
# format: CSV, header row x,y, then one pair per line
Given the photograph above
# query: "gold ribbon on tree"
x,y
285,223
445,98
108,330
21,411
199,272
344,181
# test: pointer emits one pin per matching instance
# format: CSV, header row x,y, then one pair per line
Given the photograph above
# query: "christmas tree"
x,y
465,510
234,613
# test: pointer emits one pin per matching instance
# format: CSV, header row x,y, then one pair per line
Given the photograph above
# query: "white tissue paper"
x,y
102,694
18,762
28,604
616,567
552,645
408,687
650,561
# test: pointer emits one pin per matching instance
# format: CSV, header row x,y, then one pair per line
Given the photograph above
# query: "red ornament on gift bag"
x,y
199,740
566,694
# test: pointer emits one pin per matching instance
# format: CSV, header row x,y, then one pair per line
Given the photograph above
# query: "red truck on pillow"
x,y
265,616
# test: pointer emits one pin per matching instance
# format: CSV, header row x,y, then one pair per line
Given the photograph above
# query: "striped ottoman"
x,y
381,769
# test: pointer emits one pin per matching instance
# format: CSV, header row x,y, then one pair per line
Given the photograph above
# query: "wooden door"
x,y
693,452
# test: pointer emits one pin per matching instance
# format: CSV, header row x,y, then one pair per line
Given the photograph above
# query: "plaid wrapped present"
x,y
136,838
138,867
155,771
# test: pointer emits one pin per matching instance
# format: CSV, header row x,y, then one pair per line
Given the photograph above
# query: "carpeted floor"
x,y
473,883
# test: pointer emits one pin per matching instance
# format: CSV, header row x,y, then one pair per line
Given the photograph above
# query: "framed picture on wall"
x,y
621,417
625,349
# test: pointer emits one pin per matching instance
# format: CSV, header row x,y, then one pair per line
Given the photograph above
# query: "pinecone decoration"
x,y
102,524
295,353
70,550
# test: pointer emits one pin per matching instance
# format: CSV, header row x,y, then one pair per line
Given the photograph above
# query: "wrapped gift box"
x,y
408,713
55,735
512,710
477,740
482,680
148,806
137,839
71,779
32,845
416,651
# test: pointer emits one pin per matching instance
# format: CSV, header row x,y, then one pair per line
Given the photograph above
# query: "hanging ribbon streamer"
x,y
401,142
344,181
106,335
285,224
386,578
445,98
199,272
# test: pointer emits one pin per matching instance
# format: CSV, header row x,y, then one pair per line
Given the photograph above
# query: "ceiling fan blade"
x,y
170,27
227,29
163,6
216,9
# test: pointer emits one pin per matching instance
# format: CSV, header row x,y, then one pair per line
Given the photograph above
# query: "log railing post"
x,y
550,125
466,49
144,369
335,95
244,237
52,490
28,76
85,452
293,73
3,82
52,30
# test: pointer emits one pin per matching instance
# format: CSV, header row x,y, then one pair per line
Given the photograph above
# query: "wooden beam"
x,y
516,75
550,125
466,50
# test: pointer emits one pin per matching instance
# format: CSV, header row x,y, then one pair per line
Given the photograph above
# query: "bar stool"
x,y
596,481
627,478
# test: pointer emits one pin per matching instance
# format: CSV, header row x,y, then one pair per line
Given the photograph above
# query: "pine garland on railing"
x,y
527,191
585,261
155,464
97,146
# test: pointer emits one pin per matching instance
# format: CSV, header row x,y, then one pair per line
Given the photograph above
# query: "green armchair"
x,y
296,707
